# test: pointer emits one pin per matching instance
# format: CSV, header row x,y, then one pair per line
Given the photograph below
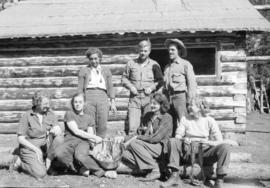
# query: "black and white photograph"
x,y
134,93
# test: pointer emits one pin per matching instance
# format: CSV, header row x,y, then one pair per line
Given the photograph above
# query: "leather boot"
x,y
219,183
172,181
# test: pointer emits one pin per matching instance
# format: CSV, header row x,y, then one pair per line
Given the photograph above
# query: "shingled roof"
x,y
45,18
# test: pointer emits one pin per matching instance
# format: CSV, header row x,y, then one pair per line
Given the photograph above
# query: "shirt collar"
x,y
93,68
177,60
33,113
146,61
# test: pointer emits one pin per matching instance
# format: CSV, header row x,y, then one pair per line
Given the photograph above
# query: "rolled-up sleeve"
x,y
191,82
215,132
111,92
125,77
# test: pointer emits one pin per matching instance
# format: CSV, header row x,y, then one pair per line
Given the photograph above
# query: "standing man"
x,y
142,77
179,77
96,83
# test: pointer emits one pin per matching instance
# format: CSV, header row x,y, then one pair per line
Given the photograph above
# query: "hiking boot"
x,y
219,183
154,175
15,164
84,172
172,181
208,182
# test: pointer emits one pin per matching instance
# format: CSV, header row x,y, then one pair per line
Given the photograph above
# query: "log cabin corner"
x,y
42,45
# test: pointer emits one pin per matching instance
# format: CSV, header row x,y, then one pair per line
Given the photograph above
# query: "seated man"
x,y
34,128
197,126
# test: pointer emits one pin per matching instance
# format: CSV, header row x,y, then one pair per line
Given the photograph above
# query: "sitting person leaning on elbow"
x,y
199,127
34,129
143,150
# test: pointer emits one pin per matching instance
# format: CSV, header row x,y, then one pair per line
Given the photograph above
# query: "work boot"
x,y
219,183
154,175
172,181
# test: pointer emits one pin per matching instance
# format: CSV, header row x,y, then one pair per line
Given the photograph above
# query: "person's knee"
x,y
80,156
39,172
174,141
224,148
134,143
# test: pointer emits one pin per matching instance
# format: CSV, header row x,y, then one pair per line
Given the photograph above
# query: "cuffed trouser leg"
x,y
221,155
175,153
145,154
31,164
85,160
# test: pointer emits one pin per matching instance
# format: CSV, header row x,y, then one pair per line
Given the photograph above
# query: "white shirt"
x,y
204,128
96,80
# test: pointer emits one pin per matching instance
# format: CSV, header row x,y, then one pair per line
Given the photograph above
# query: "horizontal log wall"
x,y
20,77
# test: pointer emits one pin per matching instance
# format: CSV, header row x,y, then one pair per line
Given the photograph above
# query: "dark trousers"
x,y
77,149
98,107
178,109
219,154
143,154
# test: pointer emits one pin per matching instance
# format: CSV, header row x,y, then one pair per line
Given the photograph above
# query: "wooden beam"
x,y
56,93
262,7
57,104
47,71
235,77
67,92
232,67
113,128
62,60
14,116
118,127
47,82
222,114
233,56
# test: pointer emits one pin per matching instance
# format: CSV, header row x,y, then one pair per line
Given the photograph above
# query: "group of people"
x,y
164,117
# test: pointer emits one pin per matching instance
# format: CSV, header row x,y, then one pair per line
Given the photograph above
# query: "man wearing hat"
x,y
142,77
179,77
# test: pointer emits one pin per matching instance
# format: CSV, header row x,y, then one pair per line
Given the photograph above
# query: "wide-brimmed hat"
x,y
180,46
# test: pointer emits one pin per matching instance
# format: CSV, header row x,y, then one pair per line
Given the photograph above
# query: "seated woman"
x,y
144,149
199,127
34,128
79,136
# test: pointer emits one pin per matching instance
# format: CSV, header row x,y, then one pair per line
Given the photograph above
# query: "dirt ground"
x,y
246,175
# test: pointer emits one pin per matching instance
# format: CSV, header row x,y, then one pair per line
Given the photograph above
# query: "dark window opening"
x,y
202,59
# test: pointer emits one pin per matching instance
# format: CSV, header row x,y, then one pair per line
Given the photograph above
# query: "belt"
x,y
140,90
96,88
176,92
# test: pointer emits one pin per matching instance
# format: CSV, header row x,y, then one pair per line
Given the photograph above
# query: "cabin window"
x,y
202,59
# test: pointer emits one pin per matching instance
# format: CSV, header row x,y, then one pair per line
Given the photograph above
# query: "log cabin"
x,y
42,46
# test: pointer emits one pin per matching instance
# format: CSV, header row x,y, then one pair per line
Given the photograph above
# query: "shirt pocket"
x,y
178,78
134,73
149,75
